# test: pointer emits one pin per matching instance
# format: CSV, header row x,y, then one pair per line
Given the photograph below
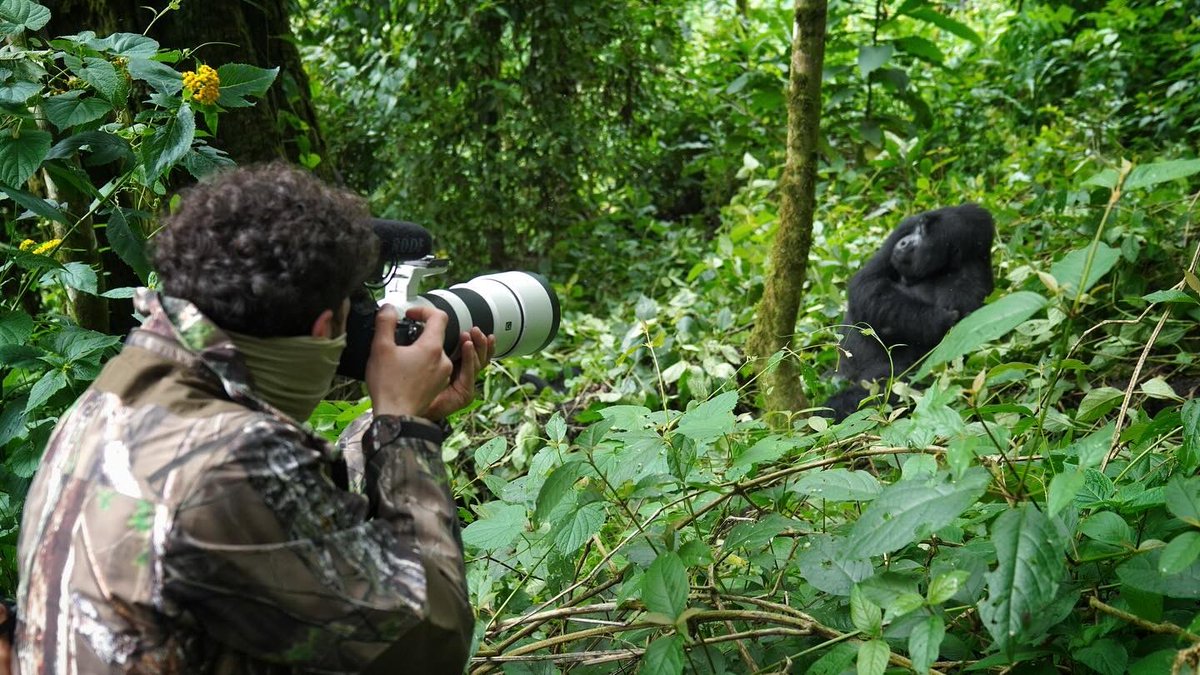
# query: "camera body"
x,y
520,308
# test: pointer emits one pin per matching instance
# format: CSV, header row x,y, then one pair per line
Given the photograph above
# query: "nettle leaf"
x,y
1147,175
754,536
1069,270
162,78
835,661
1183,499
558,485
128,243
665,586
664,656
128,45
202,160
76,275
1105,656
42,207
104,78
1098,402
169,143
944,586
1063,488
239,81
21,153
72,109
865,615
574,529
102,146
1144,572
51,383
1180,553
925,642
1025,583
498,526
910,509
709,420
16,327
872,57
74,343
839,485
1108,528
873,657
19,92
17,16
489,453
981,326
825,566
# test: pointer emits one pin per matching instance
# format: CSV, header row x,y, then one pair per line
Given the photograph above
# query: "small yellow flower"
x,y
47,247
204,85
27,245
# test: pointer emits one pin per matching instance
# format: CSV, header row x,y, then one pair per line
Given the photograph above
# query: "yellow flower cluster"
x,y
39,249
204,84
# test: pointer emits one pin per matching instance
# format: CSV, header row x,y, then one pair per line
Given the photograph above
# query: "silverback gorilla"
x,y
934,269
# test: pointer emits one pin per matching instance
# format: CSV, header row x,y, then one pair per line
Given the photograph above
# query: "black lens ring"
x,y
452,331
481,311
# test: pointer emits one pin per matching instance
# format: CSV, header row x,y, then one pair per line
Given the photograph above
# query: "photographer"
x,y
183,520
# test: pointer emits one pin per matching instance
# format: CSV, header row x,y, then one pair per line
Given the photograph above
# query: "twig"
x,y
1163,628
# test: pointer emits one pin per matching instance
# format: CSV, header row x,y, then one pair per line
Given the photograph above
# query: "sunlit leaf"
x,y
981,326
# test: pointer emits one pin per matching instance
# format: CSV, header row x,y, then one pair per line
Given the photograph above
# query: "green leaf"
x,y
1146,175
75,343
1144,572
755,535
70,109
871,57
103,146
573,531
1183,499
50,384
903,604
556,428
123,293
873,657
1029,550
21,153
239,81
558,484
665,586
711,419
944,586
1063,488
664,656
16,327
129,45
824,565
1105,656
42,207
865,615
76,275
498,526
104,78
1107,178
1158,663
1108,528
202,160
21,15
19,92
839,485
909,509
128,243
169,143
1180,553
835,661
489,453
1189,450
1069,270
161,77
921,48
1098,402
1170,295
925,642
983,325
930,15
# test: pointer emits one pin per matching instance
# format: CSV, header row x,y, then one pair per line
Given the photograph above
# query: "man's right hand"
x,y
405,380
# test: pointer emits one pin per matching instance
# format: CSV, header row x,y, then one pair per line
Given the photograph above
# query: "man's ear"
x,y
323,326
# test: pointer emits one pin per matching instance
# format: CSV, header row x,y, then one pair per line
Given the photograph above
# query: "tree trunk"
x,y
775,322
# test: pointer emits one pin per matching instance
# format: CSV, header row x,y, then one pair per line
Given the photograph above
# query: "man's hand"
x,y
475,349
406,380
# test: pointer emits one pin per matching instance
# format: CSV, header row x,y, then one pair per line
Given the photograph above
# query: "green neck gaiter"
x,y
291,373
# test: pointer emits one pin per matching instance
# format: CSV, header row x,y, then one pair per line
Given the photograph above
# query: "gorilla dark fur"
x,y
933,269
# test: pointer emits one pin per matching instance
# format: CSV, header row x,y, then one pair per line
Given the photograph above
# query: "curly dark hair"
x,y
263,250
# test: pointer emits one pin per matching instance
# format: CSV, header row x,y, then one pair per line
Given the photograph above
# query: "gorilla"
x,y
933,269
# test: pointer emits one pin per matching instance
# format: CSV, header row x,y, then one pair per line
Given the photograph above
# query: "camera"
x,y
519,308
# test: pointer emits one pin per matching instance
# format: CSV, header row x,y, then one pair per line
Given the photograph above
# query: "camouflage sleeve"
x,y
275,561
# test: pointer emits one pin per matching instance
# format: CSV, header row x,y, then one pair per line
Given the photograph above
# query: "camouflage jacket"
x,y
178,524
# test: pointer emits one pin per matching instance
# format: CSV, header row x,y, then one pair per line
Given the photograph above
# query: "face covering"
x,y
291,373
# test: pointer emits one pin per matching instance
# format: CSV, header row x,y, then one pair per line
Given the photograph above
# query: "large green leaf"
x,y
239,81
711,419
17,93
102,146
128,243
946,23
21,15
21,153
873,657
161,77
665,586
169,143
910,509
839,485
577,526
925,641
72,108
871,57
1069,270
1025,583
76,275
499,524
664,656
556,486
1183,499
104,78
981,326
15,327
1146,175
824,565
42,207
921,48
51,383
128,45
1144,572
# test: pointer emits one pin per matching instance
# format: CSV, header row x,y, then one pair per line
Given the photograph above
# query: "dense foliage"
x,y
1034,504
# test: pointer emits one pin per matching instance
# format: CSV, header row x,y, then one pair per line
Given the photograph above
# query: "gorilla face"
x,y
921,253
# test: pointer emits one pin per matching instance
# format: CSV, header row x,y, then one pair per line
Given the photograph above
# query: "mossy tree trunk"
x,y
775,322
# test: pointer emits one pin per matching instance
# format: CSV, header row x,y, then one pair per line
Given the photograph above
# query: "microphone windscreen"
x,y
400,240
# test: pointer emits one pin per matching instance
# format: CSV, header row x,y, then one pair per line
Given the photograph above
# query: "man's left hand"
x,y
475,350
